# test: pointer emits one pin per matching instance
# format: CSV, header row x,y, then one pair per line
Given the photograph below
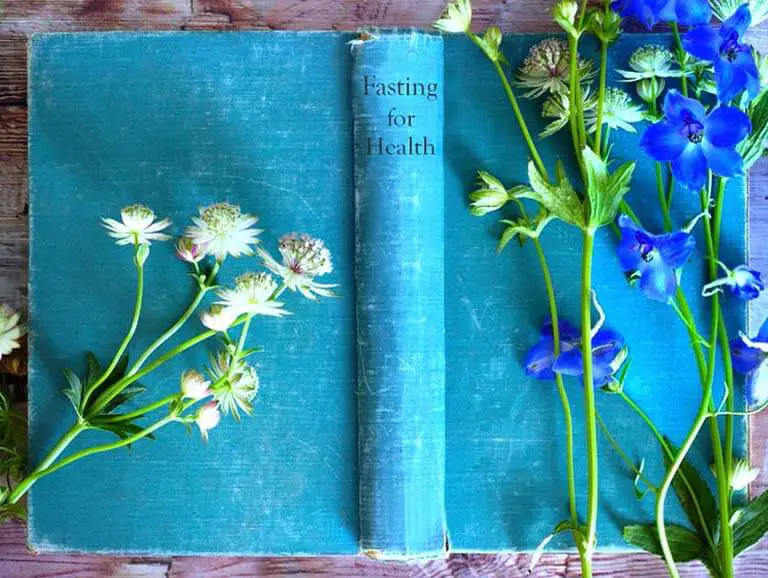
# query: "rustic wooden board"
x,y
23,17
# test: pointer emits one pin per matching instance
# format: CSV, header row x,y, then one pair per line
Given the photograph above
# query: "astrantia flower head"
x,y
608,353
742,282
456,18
137,226
490,195
557,106
750,357
252,294
218,318
10,330
693,141
208,417
619,112
653,259
187,251
194,385
743,475
235,384
650,61
649,12
222,230
546,68
735,67
304,258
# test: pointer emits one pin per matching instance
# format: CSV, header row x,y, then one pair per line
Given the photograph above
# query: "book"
x,y
396,420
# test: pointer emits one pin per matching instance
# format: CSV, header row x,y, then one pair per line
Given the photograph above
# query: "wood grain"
x,y
23,17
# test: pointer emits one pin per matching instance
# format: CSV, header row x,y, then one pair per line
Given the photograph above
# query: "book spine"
x,y
397,100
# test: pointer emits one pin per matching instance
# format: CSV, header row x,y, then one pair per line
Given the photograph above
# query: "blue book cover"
x,y
396,419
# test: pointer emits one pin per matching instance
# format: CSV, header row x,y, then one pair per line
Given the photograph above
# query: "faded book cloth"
x,y
396,420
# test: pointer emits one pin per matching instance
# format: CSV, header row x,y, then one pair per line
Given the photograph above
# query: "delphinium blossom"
x,y
742,282
694,141
650,12
750,357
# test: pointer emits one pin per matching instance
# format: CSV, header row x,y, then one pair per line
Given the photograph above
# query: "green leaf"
x,y
684,544
75,390
560,200
122,429
124,397
751,525
11,511
704,497
523,228
753,147
94,369
605,190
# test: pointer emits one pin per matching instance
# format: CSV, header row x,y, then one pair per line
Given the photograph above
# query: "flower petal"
x,y
726,126
675,248
675,104
658,281
739,21
570,363
762,334
725,161
569,334
693,12
628,250
690,168
745,358
663,141
703,42
539,360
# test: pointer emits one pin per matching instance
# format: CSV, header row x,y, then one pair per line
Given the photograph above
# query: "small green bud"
x,y
492,41
649,89
491,195
142,252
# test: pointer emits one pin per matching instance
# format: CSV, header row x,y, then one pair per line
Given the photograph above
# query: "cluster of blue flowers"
x,y
694,141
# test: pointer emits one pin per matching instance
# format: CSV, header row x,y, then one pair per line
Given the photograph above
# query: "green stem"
x,y
601,97
128,336
143,410
171,331
553,314
660,186
516,109
243,335
63,443
589,391
574,118
680,58
623,455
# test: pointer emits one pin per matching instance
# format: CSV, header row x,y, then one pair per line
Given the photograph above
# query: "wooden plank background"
x,y
23,17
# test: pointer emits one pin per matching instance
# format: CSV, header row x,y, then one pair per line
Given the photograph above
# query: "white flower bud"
x,y
218,318
186,250
208,417
457,17
194,385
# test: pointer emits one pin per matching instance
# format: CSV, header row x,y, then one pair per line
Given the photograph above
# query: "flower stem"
x,y
55,452
131,331
660,186
680,58
574,102
589,391
553,314
143,410
171,331
601,97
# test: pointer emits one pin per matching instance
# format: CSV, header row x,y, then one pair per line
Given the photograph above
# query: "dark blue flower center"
x,y
730,48
693,130
644,246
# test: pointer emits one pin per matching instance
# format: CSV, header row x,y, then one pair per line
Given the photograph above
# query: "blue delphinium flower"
x,y
693,141
742,282
735,68
750,357
608,353
649,12
653,259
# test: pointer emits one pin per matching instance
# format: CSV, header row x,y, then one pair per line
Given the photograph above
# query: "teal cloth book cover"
x,y
395,420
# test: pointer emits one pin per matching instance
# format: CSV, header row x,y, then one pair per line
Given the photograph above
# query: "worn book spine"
x,y
397,99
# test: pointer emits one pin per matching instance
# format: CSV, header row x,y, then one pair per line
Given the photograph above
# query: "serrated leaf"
x,y
560,200
75,390
684,544
751,525
124,397
605,190
123,430
94,368
700,489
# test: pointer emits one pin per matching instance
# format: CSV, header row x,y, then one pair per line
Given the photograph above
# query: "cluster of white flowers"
x,y
10,330
234,384
304,258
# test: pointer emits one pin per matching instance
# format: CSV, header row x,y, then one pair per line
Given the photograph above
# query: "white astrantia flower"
x,y
137,226
743,475
547,68
619,112
208,417
222,230
235,384
194,385
10,330
650,61
557,106
187,251
218,318
252,294
304,258
457,17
